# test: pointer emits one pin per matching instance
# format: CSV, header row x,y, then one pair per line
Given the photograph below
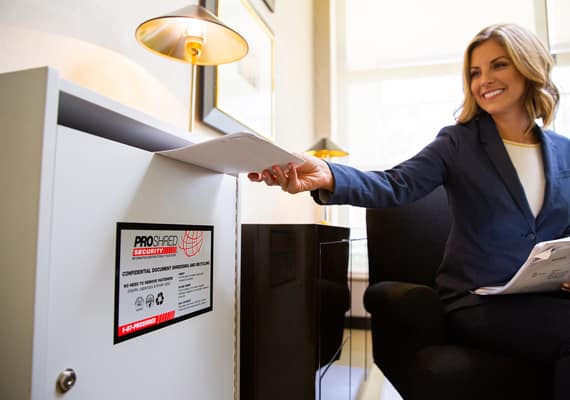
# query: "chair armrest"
x,y
405,318
405,303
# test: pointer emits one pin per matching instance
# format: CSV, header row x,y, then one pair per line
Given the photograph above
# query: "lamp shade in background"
x,y
326,148
193,35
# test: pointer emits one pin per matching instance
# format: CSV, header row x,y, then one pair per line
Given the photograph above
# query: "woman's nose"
x,y
486,78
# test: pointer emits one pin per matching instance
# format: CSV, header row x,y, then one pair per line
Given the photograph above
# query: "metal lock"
x,y
66,380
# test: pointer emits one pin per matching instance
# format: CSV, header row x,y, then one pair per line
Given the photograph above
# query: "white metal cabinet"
x,y
64,192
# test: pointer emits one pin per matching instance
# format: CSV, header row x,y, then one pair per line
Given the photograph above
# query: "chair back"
x,y
406,243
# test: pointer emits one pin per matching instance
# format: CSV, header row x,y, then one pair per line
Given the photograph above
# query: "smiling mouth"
x,y
493,93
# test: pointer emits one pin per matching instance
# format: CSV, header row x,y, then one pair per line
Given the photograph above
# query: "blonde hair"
x,y
530,57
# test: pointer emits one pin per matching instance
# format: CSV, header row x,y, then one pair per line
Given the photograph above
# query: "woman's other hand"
x,y
565,286
312,174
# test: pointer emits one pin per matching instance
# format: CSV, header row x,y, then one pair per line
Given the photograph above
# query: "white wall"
x,y
92,43
292,24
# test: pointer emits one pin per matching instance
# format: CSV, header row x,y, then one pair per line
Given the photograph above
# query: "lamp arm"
x,y
192,97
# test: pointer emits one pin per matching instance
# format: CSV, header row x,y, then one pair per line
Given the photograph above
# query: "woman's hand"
x,y
565,286
313,174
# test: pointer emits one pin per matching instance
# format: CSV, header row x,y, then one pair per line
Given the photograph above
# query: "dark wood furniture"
x,y
294,296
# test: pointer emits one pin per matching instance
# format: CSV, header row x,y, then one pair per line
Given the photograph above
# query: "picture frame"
x,y
239,96
270,5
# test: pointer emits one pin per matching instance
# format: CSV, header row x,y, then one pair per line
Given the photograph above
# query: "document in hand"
x,y
547,266
234,153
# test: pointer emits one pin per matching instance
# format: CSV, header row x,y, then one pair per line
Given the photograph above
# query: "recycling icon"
x,y
159,299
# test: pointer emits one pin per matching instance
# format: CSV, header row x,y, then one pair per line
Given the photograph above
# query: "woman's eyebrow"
x,y
498,58
491,62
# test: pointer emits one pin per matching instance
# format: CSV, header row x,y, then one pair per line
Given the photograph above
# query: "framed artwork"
x,y
270,4
239,96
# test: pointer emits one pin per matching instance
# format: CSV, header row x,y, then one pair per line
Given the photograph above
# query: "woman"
x,y
508,186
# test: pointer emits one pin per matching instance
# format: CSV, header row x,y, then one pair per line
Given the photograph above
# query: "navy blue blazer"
x,y
492,227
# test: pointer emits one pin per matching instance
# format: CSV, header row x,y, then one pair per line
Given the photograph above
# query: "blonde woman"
x,y
508,187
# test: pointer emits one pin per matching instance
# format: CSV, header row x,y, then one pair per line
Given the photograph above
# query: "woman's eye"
x,y
474,74
499,65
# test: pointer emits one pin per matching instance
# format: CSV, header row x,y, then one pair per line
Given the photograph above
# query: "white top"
x,y
527,159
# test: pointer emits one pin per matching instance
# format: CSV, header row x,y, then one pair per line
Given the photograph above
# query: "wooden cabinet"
x,y
294,296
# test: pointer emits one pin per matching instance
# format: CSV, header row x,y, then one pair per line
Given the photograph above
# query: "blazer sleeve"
x,y
399,185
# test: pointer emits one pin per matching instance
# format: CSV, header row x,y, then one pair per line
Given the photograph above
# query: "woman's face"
x,y
497,86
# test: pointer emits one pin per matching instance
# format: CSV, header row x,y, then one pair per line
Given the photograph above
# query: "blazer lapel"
x,y
502,162
550,171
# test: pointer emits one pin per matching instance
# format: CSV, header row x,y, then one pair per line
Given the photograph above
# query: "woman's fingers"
x,y
281,177
255,177
286,178
293,178
268,178
264,176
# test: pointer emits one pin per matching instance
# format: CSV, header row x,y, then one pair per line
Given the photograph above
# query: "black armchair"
x,y
410,344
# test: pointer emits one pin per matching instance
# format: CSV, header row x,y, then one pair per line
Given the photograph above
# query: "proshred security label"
x,y
163,275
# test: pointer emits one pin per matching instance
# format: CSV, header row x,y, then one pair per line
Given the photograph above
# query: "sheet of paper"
x,y
234,153
547,266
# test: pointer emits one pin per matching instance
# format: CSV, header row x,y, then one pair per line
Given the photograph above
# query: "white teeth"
x,y
493,93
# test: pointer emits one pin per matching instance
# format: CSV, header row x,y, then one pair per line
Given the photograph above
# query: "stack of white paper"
x,y
234,153
547,266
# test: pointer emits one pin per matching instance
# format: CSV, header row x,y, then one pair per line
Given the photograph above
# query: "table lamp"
x,y
326,149
192,35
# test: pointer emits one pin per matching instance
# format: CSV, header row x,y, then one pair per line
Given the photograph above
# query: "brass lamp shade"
x,y
326,148
194,35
